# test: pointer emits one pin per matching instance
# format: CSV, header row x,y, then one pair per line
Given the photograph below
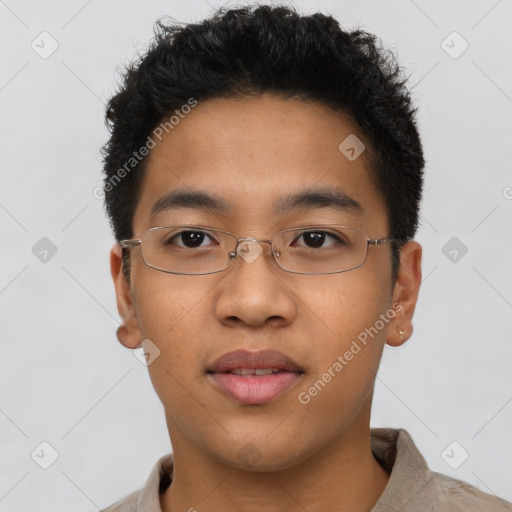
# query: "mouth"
x,y
254,377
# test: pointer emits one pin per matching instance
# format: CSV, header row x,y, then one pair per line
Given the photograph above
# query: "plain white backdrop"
x,y
64,378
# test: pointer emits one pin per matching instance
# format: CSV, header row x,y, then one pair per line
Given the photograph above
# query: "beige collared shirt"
x,y
412,486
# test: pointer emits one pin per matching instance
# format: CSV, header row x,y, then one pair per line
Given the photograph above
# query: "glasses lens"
x,y
187,250
321,250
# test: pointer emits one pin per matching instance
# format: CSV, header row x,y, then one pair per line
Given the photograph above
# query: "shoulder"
x,y
147,499
456,495
414,487
127,504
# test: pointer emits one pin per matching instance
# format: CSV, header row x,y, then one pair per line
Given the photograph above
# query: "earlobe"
x,y
406,292
128,332
398,338
123,335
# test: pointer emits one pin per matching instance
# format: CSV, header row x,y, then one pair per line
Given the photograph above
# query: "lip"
x,y
254,389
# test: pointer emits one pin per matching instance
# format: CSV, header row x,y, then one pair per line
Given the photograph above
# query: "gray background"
x,y
64,378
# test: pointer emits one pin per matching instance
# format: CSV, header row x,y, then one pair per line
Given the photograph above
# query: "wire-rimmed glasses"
x,y
197,250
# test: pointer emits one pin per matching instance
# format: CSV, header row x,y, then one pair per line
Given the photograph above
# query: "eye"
x,y
316,239
189,239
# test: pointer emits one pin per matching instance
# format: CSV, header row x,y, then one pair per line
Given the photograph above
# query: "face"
x,y
250,153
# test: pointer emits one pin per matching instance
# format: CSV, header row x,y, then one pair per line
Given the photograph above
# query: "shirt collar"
x,y
393,448
410,476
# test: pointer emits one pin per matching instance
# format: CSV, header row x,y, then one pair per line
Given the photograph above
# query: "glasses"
x,y
195,250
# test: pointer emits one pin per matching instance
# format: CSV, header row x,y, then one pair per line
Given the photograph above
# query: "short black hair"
x,y
256,49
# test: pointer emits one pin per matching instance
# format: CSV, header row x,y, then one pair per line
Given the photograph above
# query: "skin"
x,y
314,457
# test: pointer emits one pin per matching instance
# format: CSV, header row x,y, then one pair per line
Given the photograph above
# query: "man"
x,y
263,179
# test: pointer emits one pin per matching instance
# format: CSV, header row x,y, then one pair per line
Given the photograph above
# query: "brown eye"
x,y
188,239
316,239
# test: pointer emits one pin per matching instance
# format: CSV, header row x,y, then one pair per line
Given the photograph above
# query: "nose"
x,y
253,292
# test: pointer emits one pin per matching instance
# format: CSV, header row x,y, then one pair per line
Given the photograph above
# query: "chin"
x,y
258,453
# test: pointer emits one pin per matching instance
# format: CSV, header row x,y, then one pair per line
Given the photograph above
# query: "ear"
x,y
128,333
405,293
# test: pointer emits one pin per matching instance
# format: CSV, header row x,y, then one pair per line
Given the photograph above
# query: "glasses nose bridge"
x,y
245,253
251,239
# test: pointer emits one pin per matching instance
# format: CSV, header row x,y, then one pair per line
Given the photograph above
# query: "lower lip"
x,y
255,389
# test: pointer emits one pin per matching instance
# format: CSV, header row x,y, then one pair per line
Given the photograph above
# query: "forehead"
x,y
255,158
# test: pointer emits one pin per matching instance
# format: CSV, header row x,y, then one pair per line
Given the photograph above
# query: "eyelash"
x,y
305,232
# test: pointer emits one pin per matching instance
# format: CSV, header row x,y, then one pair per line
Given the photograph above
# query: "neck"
x,y
343,476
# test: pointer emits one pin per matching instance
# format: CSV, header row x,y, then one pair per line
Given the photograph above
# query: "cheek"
x,y
164,302
171,312
351,333
347,304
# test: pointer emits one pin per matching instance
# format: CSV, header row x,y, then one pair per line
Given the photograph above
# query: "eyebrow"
x,y
318,198
312,198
